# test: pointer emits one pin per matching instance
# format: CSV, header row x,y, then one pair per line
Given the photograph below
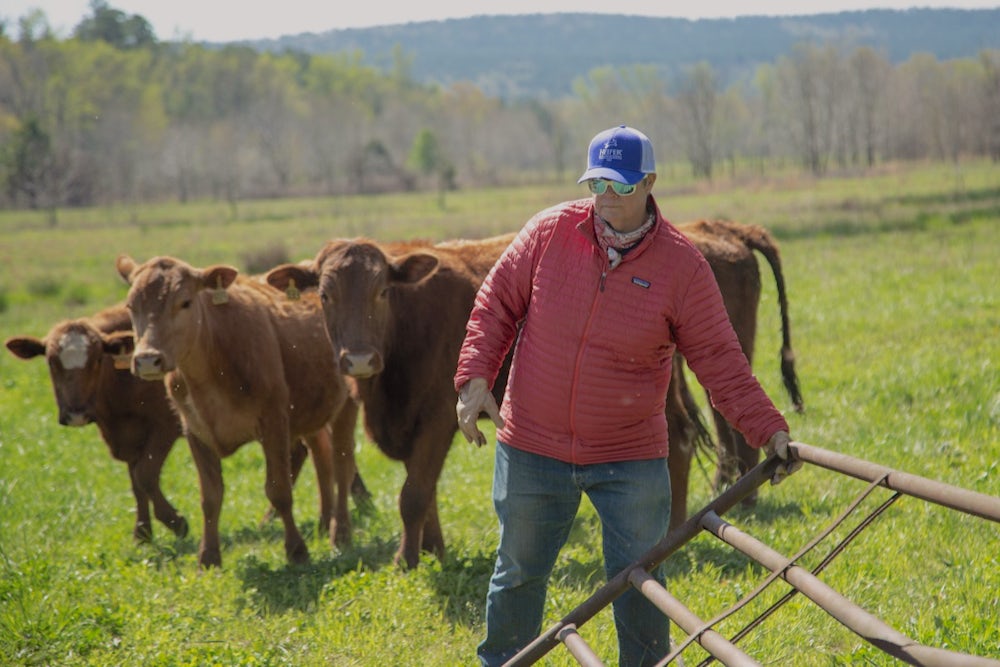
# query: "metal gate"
x,y
868,627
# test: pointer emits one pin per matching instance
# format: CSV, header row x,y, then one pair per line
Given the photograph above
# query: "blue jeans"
x,y
536,500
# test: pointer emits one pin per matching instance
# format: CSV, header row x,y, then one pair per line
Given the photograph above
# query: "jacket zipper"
x,y
576,365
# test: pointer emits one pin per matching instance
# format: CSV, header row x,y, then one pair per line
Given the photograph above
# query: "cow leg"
x,y
736,457
321,450
740,286
146,474
209,467
143,529
679,466
745,325
359,491
299,455
433,538
746,458
680,436
278,487
345,470
423,468
728,470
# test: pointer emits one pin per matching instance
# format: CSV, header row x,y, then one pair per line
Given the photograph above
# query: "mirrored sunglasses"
x,y
600,185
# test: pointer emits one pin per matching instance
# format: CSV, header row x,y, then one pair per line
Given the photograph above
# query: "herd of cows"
x,y
292,358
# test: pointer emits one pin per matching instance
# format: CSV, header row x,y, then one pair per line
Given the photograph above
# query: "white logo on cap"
x,y
611,151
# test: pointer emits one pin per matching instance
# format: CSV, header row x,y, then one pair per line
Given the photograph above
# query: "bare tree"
x,y
990,60
808,79
871,73
731,120
697,102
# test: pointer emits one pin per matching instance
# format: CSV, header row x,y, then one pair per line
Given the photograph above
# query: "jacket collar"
x,y
586,227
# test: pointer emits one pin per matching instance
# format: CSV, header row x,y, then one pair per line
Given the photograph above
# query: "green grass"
x,y
895,319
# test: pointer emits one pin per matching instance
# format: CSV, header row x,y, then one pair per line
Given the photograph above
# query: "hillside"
x,y
540,55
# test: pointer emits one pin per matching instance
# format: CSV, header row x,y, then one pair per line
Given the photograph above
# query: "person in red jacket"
x,y
596,295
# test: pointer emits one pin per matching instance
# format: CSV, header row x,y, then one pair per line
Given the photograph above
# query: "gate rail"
x,y
868,627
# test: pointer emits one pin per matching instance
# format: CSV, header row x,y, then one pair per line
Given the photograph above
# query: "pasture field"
x,y
894,296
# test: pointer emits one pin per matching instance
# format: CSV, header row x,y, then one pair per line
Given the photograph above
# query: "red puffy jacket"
x,y
590,371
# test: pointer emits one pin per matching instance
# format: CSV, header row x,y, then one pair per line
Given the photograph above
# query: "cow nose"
x,y
360,365
148,366
74,418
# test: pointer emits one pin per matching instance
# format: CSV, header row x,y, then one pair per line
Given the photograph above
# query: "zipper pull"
x,y
604,274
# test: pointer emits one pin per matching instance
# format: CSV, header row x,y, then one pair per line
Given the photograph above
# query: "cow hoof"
x,y
340,534
401,561
298,554
326,527
359,491
209,559
180,527
143,532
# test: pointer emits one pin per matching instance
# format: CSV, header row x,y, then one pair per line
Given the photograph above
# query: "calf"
x,y
241,363
134,417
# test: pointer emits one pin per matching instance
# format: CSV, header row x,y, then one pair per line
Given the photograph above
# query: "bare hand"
x,y
473,399
778,446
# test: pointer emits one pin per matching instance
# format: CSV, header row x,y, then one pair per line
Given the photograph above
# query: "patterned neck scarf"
x,y
616,243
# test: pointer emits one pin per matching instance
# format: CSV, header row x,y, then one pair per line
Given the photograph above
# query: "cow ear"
x,y
26,347
218,277
120,346
414,267
125,266
290,278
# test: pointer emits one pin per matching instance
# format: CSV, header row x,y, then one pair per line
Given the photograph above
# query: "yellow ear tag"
x,y
123,362
219,294
292,292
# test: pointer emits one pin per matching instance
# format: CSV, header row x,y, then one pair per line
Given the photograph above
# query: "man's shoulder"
x,y
671,250
672,239
573,210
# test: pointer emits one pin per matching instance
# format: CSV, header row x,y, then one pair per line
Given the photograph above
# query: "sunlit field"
x,y
895,310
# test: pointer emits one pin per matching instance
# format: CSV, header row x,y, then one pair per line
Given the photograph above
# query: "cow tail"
x,y
759,239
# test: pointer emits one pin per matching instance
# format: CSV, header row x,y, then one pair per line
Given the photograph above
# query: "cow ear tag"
x,y
219,294
292,292
122,362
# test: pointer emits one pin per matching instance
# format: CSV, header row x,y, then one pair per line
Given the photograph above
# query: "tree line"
x,y
112,115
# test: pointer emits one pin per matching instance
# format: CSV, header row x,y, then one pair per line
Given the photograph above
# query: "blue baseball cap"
x,y
622,154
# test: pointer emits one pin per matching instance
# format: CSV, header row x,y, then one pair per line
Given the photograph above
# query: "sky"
x,y
226,20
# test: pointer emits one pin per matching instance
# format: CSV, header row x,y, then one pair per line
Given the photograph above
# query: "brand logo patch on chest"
x,y
644,284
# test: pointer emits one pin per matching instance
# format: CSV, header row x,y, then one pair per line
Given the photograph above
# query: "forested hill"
x,y
540,55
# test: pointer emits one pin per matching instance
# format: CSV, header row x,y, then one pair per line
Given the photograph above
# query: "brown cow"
x,y
240,364
134,417
729,248
396,314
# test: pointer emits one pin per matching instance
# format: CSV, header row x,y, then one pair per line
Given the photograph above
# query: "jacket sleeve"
x,y
706,338
500,305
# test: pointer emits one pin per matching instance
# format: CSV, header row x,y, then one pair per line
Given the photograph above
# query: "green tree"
x,y
27,162
115,27
426,157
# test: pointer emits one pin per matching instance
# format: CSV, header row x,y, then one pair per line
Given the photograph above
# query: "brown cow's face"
x,y
356,285
75,355
166,304
74,352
